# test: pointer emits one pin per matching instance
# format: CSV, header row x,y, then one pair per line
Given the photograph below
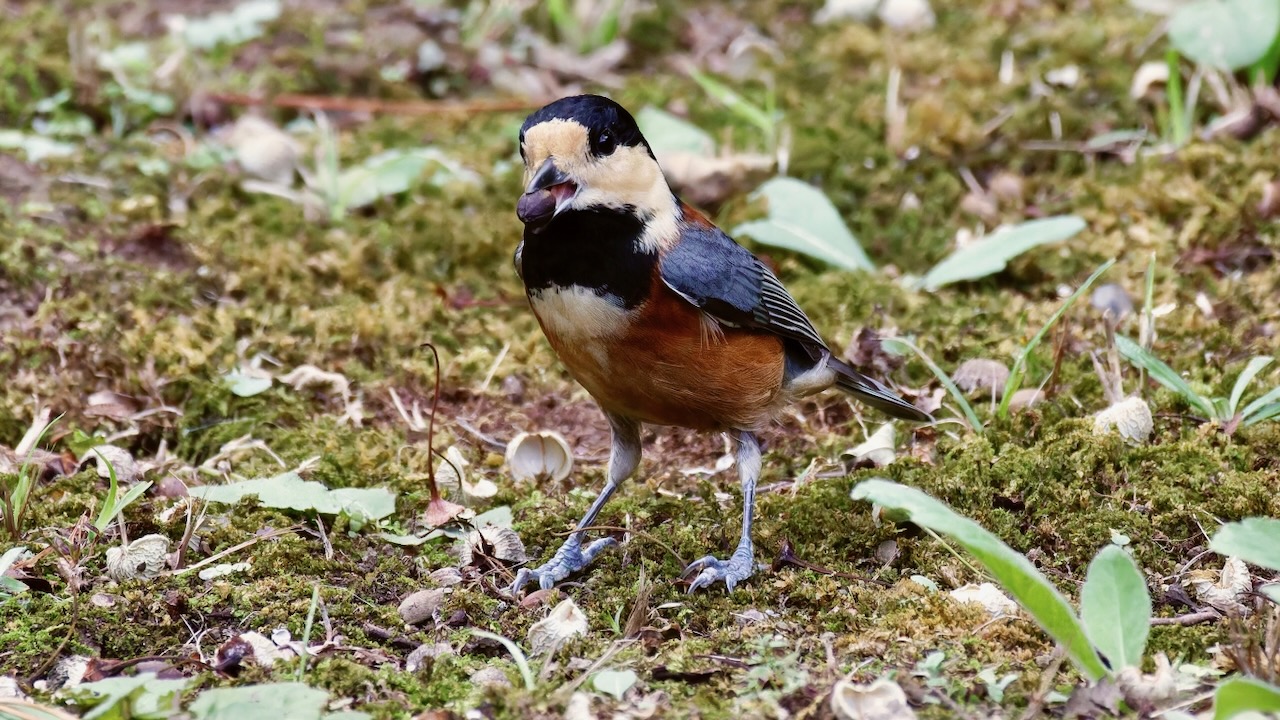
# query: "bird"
x,y
662,317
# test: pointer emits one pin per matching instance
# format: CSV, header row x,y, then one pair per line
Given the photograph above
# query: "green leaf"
x,y
393,172
1240,695
667,133
1115,607
614,682
992,253
137,696
8,584
1225,34
1266,412
1255,540
1011,569
1246,376
261,702
1271,591
244,385
288,491
1257,407
1163,374
801,218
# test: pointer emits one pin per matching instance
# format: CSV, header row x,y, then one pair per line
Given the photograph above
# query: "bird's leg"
x,y
624,457
741,564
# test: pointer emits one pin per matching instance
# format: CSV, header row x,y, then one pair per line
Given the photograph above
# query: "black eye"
x,y
605,143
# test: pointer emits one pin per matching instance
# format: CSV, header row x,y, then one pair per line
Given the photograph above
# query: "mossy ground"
x,y
92,304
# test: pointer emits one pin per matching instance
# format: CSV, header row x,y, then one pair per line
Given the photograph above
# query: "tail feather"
x,y
875,393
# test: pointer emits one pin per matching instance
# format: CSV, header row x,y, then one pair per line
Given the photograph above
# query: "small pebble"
x,y
422,605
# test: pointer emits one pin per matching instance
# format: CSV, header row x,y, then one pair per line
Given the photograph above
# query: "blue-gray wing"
x,y
711,271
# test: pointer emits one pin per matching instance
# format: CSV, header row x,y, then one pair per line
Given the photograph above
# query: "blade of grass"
x,y
735,102
900,345
1164,375
1020,365
1259,404
517,654
306,631
1246,376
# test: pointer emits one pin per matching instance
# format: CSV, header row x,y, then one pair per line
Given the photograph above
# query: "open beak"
x,y
546,195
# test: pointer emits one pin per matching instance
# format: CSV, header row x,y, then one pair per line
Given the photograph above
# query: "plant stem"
x,y
1178,123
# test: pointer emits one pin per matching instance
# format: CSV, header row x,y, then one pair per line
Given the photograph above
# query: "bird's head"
x,y
585,153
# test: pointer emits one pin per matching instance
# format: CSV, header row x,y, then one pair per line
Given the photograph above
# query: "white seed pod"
x,y
496,542
881,700
565,621
1130,418
983,374
143,558
1224,590
539,456
452,476
120,460
1148,74
878,449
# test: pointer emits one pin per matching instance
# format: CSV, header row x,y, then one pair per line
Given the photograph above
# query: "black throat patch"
x,y
592,249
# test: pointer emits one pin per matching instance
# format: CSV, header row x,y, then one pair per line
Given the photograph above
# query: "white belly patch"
x,y
577,314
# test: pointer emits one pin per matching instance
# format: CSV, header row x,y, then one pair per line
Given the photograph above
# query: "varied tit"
x,y
659,314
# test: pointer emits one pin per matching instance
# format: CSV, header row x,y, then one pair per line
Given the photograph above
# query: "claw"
x,y
737,568
569,559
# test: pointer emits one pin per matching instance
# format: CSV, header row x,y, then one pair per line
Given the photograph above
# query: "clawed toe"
x,y
569,559
709,570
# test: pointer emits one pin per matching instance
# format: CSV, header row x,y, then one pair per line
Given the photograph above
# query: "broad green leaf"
x,y
1240,695
667,133
1246,376
246,385
992,253
801,218
1011,569
1271,591
394,172
614,682
8,584
261,702
12,708
288,491
1225,34
1255,540
129,696
1163,374
1115,607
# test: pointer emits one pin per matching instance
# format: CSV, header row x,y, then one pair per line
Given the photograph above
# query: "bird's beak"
x,y
546,195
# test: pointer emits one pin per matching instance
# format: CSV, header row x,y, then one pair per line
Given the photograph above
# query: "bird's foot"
x,y
737,568
569,559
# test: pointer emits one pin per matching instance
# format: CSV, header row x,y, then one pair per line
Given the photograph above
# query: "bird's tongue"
x,y
563,192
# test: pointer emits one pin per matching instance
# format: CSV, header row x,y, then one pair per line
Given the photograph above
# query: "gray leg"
x,y
624,457
741,564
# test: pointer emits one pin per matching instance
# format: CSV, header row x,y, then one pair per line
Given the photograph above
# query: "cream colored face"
x,y
628,177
